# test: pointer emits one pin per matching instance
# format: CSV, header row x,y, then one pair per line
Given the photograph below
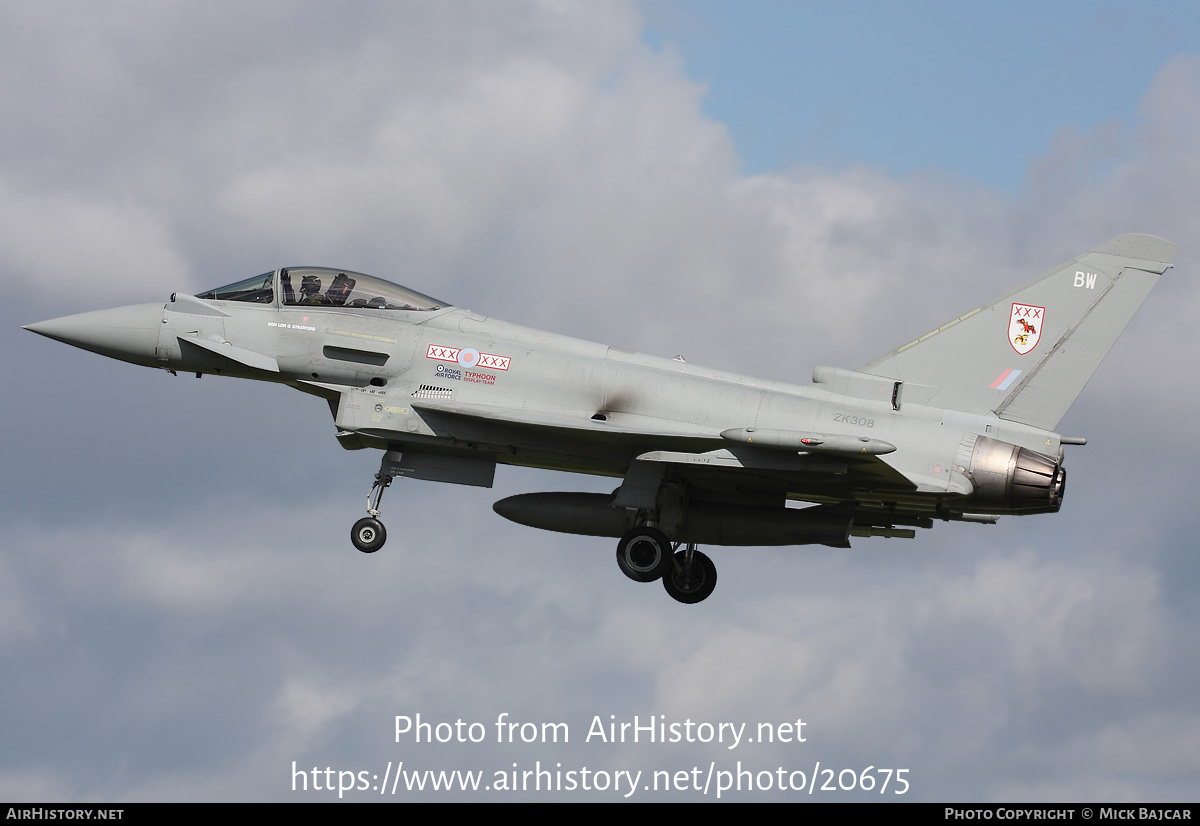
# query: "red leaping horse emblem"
x,y
1025,327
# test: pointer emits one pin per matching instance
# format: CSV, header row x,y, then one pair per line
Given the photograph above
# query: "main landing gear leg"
x,y
691,577
368,533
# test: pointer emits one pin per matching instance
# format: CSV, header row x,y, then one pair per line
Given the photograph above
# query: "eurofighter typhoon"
x,y
956,425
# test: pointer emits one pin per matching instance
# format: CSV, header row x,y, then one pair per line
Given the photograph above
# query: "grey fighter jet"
x,y
958,424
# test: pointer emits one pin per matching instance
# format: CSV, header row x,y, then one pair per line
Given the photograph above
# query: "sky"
x,y
182,616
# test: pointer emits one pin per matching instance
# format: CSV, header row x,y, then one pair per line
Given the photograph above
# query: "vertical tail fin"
x,y
1027,355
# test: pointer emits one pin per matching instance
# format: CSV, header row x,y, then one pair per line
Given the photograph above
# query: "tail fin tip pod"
x,y
1010,356
1140,247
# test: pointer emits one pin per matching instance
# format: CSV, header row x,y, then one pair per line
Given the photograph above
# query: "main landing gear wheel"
x,y
690,580
368,534
644,554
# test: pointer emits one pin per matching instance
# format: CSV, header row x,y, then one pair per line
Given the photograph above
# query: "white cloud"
x,y
1098,629
87,250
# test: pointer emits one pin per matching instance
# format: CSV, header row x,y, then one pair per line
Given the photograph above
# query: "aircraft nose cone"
x,y
125,333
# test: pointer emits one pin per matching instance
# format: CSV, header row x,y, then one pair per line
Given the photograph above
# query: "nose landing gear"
x,y
368,533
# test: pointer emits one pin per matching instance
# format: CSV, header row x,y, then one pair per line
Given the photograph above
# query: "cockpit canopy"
x,y
321,286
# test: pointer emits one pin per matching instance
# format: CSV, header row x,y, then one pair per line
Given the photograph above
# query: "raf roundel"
x,y
468,357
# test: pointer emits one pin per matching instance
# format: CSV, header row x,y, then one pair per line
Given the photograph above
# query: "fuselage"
x,y
418,373
957,424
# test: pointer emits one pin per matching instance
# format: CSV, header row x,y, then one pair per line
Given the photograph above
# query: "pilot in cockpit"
x,y
310,290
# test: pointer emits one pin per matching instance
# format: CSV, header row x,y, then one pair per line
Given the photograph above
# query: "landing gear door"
x,y
460,469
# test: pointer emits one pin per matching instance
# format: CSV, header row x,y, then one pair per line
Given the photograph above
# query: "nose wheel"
x,y
368,533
